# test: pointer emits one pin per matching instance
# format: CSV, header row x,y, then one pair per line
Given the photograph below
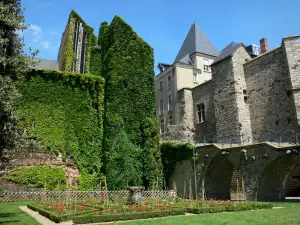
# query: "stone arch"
x,y
218,177
273,183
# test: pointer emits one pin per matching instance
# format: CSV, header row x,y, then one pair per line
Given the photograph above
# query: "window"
x,y
195,77
160,85
170,102
169,82
162,126
170,119
206,64
201,112
161,106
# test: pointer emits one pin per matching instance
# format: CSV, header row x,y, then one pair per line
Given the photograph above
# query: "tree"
x,y
13,62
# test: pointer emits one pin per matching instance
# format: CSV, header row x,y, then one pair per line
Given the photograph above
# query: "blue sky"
x,y
165,23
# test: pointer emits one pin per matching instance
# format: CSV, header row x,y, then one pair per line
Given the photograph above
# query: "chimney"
x,y
263,45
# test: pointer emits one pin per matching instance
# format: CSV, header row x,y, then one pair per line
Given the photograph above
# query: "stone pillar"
x,y
292,50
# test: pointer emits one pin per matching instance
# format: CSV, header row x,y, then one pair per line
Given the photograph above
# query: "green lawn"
x,y
289,216
10,214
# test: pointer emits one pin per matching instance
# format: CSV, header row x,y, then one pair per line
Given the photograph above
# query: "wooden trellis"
x,y
7,196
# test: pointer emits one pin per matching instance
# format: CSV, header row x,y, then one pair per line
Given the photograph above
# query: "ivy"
x,y
39,177
64,111
172,152
127,66
68,53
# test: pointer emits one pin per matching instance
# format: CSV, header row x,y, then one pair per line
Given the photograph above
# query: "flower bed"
x,y
104,210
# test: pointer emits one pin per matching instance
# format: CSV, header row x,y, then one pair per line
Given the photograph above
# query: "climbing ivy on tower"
x,y
64,111
127,66
67,54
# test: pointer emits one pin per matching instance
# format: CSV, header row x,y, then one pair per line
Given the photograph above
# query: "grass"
x,y
289,215
10,214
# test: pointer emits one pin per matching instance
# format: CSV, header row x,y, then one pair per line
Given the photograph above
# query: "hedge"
x,y
247,206
126,216
53,216
64,111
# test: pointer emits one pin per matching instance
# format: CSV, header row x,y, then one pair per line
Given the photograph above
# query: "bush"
x,y
126,216
39,177
240,207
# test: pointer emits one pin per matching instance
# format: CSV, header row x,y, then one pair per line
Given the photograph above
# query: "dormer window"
x,y
206,65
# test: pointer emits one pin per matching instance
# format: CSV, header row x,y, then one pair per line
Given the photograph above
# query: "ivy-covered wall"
x,y
128,69
64,111
72,59
171,153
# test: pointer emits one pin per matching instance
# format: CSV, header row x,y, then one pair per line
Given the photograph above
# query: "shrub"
x,y
126,216
39,177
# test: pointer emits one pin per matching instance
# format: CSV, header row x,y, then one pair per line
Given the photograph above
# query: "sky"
x,y
164,24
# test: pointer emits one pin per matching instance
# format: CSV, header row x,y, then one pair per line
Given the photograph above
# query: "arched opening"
x,y
237,191
277,180
293,183
218,178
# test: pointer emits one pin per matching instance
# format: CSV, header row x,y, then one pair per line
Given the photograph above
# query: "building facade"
x,y
175,82
236,96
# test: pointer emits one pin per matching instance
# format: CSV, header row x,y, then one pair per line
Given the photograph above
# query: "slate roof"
x,y
196,41
46,64
228,51
186,60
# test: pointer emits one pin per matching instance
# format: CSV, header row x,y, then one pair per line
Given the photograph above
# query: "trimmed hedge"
x,y
64,111
53,216
49,215
126,216
247,206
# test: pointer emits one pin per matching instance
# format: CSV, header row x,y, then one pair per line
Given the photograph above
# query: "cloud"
x,y
45,44
35,31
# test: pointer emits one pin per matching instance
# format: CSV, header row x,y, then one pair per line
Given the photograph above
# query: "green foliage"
x,y
88,182
242,207
39,177
13,62
95,62
64,111
129,95
68,54
124,164
126,216
172,152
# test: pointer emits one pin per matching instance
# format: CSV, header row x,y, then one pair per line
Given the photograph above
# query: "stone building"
x,y
175,82
244,118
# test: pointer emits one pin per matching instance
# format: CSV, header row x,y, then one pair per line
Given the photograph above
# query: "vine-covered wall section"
x,y
64,111
76,46
128,69
171,153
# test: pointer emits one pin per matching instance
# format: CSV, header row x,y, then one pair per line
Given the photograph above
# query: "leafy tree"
x,y
13,62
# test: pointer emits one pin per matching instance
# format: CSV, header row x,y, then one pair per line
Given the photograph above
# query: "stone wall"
x,y
239,57
204,131
291,46
40,157
269,97
265,171
226,110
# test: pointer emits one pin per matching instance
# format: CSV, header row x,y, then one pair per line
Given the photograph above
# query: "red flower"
x,y
81,207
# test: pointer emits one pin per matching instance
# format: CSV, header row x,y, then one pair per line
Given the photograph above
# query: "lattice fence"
x,y
77,195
